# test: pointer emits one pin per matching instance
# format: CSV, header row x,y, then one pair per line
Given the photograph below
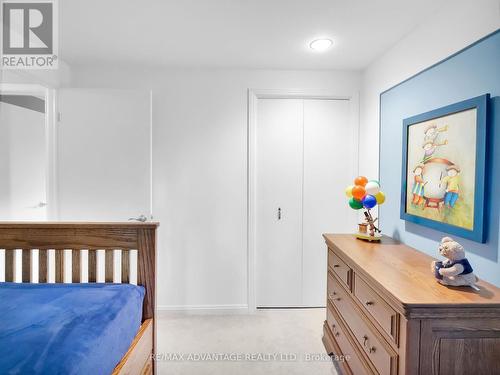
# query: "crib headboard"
x,y
59,252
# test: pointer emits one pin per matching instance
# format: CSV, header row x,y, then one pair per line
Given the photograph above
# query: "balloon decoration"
x,y
348,191
364,193
358,192
360,181
372,188
380,197
369,201
355,204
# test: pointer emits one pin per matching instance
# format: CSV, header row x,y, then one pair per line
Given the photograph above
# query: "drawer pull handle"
x,y
336,333
371,350
336,265
337,299
365,339
369,303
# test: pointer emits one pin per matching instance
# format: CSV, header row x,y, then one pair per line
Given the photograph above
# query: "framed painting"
x,y
443,172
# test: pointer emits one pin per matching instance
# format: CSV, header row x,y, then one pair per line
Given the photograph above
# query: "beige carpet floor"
x,y
270,342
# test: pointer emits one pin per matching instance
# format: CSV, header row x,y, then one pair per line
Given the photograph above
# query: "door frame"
x,y
49,95
253,96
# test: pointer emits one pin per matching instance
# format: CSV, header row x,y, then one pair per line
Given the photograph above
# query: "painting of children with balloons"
x,y
443,161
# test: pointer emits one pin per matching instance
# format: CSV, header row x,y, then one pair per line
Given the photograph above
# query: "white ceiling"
x,y
236,33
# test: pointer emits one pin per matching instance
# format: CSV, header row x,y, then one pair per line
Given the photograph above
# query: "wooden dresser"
x,y
390,316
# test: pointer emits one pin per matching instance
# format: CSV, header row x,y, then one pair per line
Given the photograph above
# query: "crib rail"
x,y
80,253
68,266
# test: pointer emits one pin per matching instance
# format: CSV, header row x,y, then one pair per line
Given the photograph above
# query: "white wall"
x,y
200,171
103,155
439,37
47,78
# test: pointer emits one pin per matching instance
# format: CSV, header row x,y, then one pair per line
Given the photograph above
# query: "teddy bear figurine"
x,y
456,269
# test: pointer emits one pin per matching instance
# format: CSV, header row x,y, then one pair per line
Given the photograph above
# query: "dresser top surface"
x,y
406,273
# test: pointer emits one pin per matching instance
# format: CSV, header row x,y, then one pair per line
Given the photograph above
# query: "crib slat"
x,y
117,266
67,266
59,266
84,266
100,266
51,266
92,266
125,266
9,269
18,266
132,267
42,265
109,266
34,266
2,265
75,267
26,260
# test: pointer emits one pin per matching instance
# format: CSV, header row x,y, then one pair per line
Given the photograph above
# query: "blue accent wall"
x,y
472,72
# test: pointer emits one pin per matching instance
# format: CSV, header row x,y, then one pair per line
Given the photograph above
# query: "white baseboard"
x,y
204,308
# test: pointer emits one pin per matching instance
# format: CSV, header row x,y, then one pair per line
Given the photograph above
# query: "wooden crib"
x,y
84,252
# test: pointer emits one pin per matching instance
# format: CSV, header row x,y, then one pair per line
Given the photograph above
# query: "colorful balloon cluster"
x,y
364,193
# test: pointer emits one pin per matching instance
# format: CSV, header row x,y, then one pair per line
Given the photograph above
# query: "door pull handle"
x,y
39,205
141,218
279,213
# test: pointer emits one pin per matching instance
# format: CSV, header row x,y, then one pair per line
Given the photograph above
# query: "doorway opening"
x,y
27,147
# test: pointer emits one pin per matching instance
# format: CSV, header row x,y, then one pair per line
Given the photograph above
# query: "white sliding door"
x,y
104,154
305,157
328,168
279,202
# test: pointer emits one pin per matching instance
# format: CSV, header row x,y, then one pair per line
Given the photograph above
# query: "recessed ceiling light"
x,y
321,45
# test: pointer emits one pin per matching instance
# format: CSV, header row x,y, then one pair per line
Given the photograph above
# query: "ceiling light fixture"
x,y
320,45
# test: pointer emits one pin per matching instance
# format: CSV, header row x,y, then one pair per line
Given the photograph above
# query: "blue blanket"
x,y
67,328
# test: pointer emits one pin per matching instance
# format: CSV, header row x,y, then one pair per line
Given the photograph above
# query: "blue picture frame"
x,y
477,233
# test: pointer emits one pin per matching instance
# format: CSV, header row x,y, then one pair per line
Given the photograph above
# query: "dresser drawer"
x,y
340,336
380,353
341,269
376,306
338,295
